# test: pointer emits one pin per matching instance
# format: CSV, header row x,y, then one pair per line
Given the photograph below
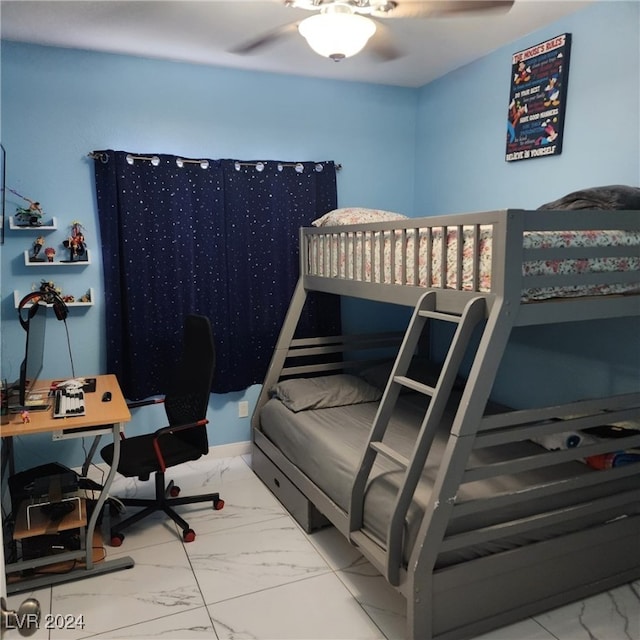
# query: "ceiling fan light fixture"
x,y
337,35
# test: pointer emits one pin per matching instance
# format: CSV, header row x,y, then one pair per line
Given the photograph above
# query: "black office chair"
x,y
184,439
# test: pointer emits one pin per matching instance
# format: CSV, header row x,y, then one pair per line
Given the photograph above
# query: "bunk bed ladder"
x,y
386,555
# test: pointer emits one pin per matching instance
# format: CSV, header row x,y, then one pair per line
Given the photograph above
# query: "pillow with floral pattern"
x,y
355,215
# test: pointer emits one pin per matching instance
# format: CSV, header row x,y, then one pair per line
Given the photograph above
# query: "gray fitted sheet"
x,y
326,445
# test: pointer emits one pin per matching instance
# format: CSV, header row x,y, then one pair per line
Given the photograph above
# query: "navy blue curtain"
x,y
216,237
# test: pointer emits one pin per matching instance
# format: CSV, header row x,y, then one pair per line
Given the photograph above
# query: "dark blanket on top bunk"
x,y
615,196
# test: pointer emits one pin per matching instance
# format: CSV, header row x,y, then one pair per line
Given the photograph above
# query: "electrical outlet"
x,y
243,409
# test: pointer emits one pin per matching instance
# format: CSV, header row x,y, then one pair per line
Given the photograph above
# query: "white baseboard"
x,y
230,450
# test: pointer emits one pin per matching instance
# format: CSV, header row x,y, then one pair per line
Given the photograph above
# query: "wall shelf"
x,y
60,262
51,226
17,297
56,263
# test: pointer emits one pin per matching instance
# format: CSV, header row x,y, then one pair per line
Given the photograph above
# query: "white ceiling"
x,y
204,32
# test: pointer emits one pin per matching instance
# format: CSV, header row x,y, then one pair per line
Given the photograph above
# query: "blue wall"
x,y
462,117
437,149
58,105
460,166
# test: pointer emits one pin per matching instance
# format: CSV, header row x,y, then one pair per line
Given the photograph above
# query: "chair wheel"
x,y
188,535
218,504
116,539
174,491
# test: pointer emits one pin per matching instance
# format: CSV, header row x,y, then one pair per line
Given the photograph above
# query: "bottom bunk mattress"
x,y
326,444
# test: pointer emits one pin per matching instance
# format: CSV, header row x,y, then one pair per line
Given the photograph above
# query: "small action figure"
x,y
25,417
32,214
37,247
49,286
75,243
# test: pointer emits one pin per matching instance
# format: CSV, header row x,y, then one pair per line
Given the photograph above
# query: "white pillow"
x,y
355,215
324,392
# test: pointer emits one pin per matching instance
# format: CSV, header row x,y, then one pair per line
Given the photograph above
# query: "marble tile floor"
x,y
253,574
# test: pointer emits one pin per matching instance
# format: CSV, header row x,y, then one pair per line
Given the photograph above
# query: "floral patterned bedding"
x,y
355,256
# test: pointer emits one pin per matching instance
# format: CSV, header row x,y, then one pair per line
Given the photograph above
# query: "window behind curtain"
x,y
221,241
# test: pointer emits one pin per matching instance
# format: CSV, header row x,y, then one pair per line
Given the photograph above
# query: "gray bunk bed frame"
x,y
475,596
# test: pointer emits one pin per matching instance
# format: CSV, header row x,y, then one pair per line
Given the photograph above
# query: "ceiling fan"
x,y
342,28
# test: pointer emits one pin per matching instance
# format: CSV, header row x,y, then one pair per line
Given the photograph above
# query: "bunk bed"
x,y
462,504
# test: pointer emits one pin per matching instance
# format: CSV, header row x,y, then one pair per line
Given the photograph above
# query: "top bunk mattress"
x,y
326,445
420,257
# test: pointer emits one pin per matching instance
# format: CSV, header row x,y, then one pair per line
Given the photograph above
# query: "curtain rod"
x,y
280,164
103,157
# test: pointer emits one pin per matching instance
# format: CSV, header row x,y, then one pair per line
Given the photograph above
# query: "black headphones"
x,y
48,296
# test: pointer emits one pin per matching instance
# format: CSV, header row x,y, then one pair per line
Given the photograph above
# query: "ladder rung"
x,y
415,385
436,315
390,453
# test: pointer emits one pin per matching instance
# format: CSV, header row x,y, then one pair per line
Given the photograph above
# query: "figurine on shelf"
x,y
49,286
32,215
37,247
26,418
86,297
75,243
28,216
68,298
50,252
51,293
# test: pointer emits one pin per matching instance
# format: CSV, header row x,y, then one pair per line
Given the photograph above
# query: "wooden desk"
x,y
98,416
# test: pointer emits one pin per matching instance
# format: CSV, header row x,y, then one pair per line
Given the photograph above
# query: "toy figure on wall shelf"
x,y
49,286
50,252
30,216
37,247
75,243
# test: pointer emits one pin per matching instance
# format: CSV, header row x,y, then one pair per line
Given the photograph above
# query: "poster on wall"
x,y
537,99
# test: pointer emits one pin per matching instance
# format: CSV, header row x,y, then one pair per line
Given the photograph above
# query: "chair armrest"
x,y
144,403
169,429
180,427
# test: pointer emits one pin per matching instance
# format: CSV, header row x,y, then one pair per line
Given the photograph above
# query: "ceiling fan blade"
x,y
381,44
438,8
265,39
